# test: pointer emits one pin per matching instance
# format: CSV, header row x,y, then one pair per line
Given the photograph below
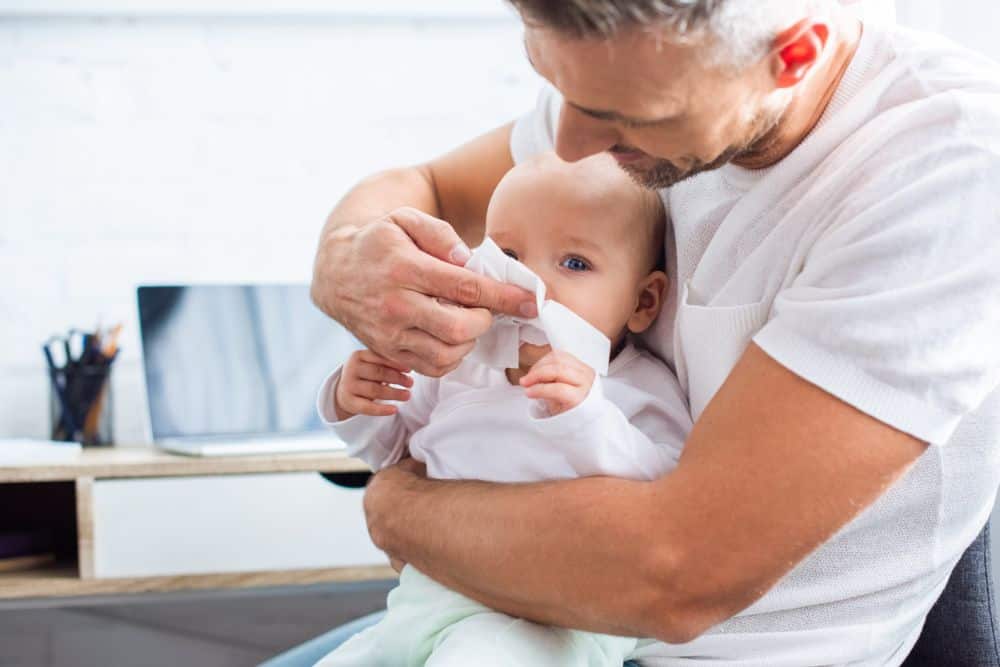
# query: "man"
x,y
835,269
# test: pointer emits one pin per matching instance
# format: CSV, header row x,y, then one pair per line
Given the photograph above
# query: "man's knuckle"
x,y
404,212
468,291
437,358
393,307
398,272
456,331
378,233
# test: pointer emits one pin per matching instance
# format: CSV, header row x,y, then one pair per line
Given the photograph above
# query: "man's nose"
x,y
579,136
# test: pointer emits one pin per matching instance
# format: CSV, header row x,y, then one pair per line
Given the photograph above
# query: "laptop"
x,y
235,369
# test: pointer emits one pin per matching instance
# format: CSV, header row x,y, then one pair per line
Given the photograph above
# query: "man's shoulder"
x,y
939,85
931,111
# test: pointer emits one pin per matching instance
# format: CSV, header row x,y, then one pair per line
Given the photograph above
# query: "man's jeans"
x,y
308,654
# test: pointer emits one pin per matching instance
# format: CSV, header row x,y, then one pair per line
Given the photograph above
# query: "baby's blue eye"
x,y
575,264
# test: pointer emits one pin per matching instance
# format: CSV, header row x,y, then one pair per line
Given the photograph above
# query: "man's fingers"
x,y
413,466
424,368
428,355
471,289
432,235
453,324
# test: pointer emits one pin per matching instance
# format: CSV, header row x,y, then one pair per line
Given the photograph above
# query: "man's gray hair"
x,y
743,29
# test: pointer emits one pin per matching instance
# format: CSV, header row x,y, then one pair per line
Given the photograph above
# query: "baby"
x,y
565,395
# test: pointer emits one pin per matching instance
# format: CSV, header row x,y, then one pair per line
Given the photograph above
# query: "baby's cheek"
x,y
596,301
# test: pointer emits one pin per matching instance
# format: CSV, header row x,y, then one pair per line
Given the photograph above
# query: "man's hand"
x,y
394,283
367,378
381,496
560,380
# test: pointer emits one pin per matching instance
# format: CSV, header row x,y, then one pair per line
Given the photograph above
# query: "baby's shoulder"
x,y
637,371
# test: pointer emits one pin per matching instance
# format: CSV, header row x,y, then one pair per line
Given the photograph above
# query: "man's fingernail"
x,y
529,309
460,254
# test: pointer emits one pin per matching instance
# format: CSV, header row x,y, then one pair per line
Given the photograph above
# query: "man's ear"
x,y
649,301
796,51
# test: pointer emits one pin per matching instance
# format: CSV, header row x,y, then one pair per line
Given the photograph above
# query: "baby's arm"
x,y
350,403
640,437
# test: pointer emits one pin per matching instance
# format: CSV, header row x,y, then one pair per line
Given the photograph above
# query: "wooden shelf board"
x,y
135,462
62,580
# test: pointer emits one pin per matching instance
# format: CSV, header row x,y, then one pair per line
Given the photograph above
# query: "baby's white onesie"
x,y
473,424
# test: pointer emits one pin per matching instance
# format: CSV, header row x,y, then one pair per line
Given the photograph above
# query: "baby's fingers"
x,y
556,369
358,405
558,396
378,391
373,409
369,357
383,374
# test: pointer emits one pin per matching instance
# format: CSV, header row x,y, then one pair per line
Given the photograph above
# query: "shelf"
x,y
63,580
59,495
135,462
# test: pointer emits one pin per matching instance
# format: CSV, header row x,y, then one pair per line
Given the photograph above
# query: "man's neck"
x,y
806,110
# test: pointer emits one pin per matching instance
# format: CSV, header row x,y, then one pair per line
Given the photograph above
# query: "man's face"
x,y
654,104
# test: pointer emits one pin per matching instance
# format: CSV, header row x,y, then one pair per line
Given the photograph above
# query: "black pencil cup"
x,y
80,405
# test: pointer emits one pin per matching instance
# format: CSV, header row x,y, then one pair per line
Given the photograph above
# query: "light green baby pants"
x,y
428,624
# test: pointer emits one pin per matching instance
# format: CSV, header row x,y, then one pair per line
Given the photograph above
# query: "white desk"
x,y
114,499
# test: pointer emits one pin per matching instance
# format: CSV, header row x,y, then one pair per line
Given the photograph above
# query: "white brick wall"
x,y
206,149
185,147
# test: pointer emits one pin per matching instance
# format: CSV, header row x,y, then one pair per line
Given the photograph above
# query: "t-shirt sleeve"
x,y
896,309
535,132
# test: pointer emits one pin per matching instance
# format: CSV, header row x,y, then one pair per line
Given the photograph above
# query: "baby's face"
x,y
580,248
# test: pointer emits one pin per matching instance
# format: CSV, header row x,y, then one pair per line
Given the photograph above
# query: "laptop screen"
x,y
236,360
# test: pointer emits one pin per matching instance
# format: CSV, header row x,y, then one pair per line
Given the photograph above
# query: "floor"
x,y
219,629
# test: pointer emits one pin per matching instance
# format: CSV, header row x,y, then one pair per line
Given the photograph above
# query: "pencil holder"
x,y
80,404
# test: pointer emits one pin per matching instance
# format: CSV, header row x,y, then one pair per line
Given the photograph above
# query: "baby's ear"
x,y
649,301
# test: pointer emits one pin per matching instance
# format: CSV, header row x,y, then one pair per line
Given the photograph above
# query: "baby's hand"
x,y
365,379
559,379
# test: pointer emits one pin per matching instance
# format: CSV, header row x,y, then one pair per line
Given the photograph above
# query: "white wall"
x,y
208,144
970,22
185,148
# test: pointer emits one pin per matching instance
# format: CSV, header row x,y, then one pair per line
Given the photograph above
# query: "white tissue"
x,y
556,325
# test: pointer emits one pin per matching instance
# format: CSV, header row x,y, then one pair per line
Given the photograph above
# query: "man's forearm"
x,y
455,187
574,553
384,192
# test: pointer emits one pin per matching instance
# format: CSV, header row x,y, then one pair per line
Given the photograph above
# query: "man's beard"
x,y
664,173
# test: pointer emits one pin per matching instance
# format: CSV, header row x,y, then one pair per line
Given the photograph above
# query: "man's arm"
x,y
455,187
387,259
773,468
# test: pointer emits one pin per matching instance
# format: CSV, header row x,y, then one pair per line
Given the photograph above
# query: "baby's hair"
x,y
598,179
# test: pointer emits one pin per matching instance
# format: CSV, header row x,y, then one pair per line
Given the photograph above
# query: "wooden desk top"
x,y
64,581
113,462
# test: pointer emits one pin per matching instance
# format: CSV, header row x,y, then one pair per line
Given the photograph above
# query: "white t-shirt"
x,y
473,424
867,262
